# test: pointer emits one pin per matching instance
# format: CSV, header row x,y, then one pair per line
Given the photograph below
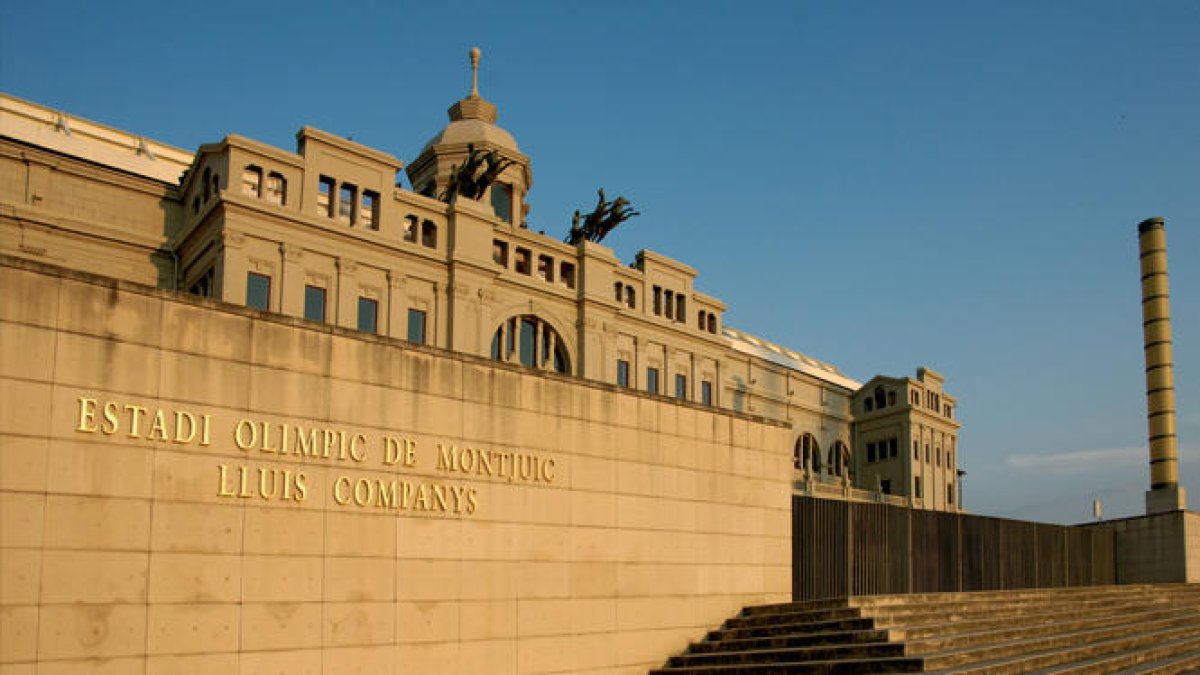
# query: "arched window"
x,y
630,297
806,453
532,342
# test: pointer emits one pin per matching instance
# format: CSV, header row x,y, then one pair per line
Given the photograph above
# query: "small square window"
x,y
622,373
368,315
258,291
416,326
314,303
524,261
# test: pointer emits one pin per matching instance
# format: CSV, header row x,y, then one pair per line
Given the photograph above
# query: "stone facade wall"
x,y
140,431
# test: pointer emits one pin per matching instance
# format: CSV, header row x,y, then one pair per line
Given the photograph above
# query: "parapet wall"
x,y
187,486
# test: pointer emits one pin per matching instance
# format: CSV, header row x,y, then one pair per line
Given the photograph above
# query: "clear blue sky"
x,y
882,185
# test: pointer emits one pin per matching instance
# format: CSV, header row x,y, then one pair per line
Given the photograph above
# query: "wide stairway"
x,y
1099,629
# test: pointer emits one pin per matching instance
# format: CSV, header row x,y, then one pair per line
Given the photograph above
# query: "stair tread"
x,y
1150,657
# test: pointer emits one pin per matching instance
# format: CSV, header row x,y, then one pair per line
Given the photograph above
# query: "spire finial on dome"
x,y
475,52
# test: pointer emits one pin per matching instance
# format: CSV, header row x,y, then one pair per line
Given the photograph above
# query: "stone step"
x,y
1169,656
1036,593
896,614
802,639
952,639
782,629
1030,655
1006,621
804,616
1188,662
900,664
855,652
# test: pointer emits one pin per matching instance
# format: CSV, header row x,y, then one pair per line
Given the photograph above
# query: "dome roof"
x,y
477,131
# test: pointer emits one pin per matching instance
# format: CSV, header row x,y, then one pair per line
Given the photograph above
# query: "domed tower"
x,y
473,123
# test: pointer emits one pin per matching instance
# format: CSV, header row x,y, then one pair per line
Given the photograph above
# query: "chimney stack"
x,y
1165,494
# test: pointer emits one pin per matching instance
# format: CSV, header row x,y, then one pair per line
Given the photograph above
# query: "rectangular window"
x,y
416,326
950,493
706,392
658,301
524,260
526,347
680,308
347,195
652,380
546,267
892,448
885,486
410,228
927,457
276,188
368,315
314,303
258,291
917,487
500,252
325,196
566,274
669,301
870,452
428,234
681,387
369,213
502,201
622,373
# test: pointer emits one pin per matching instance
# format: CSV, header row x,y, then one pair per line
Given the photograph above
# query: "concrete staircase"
x,y
1098,629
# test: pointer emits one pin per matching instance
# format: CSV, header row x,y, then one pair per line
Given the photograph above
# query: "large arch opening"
x,y
532,342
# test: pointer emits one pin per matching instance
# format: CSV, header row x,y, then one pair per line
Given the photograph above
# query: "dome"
x,y
477,131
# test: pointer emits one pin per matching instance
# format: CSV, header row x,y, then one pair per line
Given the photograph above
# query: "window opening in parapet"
x,y
500,252
410,228
276,188
252,181
630,297
528,340
868,405
880,401
369,210
207,183
428,234
523,263
325,196
680,308
566,274
712,323
545,268
347,196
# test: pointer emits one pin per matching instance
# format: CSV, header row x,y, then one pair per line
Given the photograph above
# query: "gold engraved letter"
x,y
158,430
180,437
222,491
112,420
136,412
337,490
356,443
248,427
87,415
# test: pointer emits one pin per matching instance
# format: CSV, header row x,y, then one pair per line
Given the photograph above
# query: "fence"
x,y
852,548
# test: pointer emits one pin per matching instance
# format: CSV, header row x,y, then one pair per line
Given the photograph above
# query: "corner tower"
x,y
473,123
1165,492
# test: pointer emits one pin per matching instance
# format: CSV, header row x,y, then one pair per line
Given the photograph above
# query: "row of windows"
x,y
523,264
881,450
918,495
652,383
879,400
706,321
935,456
624,293
210,186
806,455
933,401
258,296
416,230
669,304
347,203
273,189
